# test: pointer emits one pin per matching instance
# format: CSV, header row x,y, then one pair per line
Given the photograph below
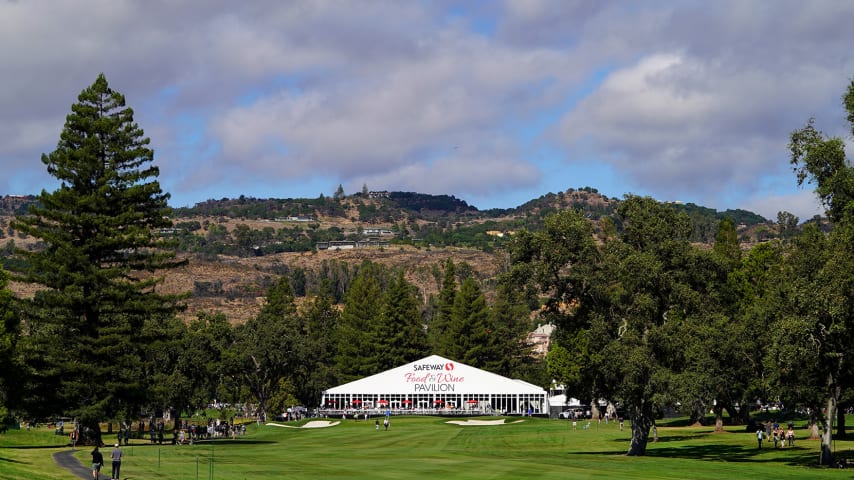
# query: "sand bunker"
x,y
312,424
481,422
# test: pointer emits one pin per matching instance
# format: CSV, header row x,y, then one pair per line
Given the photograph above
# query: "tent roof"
x,y
435,374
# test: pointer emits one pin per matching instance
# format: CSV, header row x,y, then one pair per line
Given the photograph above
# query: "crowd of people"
x,y
156,430
190,432
774,431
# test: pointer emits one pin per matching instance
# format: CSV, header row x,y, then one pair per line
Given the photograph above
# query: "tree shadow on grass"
x,y
36,447
793,456
665,438
677,438
225,441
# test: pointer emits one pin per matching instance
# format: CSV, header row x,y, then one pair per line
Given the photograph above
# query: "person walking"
x,y
97,463
116,455
759,434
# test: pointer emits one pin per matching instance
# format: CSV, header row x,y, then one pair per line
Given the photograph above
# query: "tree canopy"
x,y
820,306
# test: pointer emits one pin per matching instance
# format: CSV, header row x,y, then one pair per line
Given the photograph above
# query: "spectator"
x,y
97,463
116,456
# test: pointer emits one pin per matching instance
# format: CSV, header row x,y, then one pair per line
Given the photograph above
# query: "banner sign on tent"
x,y
438,377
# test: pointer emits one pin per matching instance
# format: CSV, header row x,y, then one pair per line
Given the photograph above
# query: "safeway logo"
x,y
449,366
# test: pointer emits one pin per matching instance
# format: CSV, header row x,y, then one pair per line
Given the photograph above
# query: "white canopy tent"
x,y
437,383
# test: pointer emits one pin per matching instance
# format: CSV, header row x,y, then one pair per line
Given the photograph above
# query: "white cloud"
x,y
802,204
458,91
483,172
696,99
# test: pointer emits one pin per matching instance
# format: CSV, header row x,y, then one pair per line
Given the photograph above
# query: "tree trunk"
x,y
719,418
90,434
698,413
641,424
826,456
594,410
176,426
743,413
735,416
813,428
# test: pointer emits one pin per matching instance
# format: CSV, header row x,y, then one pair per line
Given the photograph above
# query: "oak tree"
x,y
824,315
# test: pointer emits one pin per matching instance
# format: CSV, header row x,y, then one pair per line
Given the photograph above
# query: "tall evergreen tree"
x,y
317,371
469,332
510,354
713,345
88,327
9,334
401,337
437,330
354,336
726,246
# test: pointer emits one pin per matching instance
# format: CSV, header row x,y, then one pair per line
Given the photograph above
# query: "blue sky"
x,y
494,102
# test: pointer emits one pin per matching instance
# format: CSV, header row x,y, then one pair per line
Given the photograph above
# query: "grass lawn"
x,y
429,447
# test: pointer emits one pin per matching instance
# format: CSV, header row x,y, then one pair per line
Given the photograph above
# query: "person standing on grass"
x,y
759,434
97,463
116,455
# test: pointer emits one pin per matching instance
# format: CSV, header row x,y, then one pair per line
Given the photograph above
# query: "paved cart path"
x,y
68,461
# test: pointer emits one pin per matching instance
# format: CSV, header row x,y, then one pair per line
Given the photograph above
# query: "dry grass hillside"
x,y
236,273
249,275
252,273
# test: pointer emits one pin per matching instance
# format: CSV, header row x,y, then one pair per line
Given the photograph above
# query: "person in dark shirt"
x,y
97,463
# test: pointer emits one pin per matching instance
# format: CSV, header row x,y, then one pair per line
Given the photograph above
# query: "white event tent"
x,y
437,383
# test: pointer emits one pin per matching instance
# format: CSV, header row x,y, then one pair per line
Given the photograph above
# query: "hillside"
x,y
236,248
